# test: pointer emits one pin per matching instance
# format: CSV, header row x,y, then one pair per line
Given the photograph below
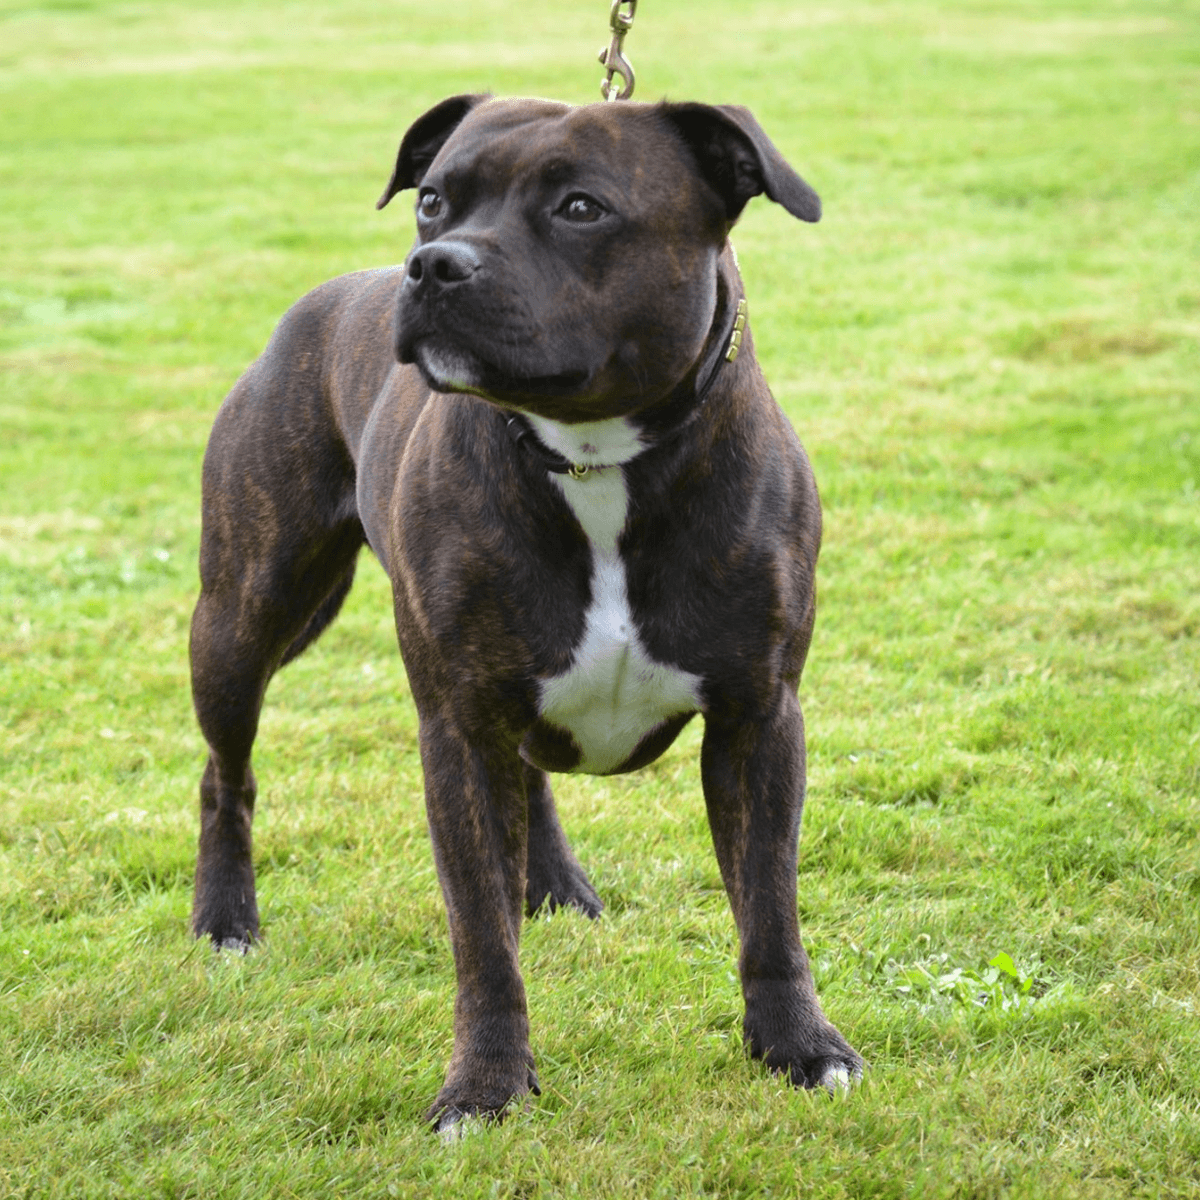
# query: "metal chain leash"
x,y
612,57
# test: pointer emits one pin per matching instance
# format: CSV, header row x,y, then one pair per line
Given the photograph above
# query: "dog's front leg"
x,y
753,772
478,820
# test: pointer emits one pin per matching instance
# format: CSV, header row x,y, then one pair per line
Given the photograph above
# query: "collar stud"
x,y
735,338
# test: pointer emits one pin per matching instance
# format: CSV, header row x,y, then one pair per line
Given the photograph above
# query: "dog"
x,y
549,426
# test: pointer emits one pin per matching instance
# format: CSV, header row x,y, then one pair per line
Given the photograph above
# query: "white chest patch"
x,y
613,694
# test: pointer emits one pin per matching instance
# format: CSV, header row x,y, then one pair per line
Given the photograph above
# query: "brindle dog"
x,y
596,520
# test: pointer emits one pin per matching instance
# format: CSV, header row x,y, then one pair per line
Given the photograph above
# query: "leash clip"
x,y
612,56
578,470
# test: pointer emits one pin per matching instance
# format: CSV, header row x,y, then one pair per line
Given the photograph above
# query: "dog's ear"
x,y
739,160
425,137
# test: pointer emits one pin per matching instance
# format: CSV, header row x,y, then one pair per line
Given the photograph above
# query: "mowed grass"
x,y
990,349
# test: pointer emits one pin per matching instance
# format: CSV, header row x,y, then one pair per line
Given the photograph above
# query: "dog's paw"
x,y
454,1125
228,916
235,936
835,1072
839,1077
233,945
795,1040
462,1107
566,886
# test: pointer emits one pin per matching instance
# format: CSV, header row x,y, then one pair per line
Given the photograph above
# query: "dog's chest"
x,y
614,696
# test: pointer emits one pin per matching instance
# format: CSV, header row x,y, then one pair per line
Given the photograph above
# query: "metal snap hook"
x,y
612,56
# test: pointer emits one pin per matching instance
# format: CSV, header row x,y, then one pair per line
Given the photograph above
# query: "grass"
x,y
990,347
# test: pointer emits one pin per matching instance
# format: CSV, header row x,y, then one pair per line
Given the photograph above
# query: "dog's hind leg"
x,y
278,547
553,874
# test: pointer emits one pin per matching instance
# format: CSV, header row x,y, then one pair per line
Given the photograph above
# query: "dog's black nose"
x,y
442,263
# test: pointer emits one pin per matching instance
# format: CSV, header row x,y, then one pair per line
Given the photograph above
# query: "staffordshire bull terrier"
x,y
595,518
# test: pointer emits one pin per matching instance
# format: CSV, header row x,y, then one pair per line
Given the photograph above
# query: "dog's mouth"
x,y
448,368
444,369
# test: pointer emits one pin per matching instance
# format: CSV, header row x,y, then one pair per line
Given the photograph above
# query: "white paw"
x,y
452,1129
837,1079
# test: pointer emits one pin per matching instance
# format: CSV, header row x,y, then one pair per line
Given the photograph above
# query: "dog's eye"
x,y
582,210
429,205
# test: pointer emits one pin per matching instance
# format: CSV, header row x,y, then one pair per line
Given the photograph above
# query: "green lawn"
x,y
991,348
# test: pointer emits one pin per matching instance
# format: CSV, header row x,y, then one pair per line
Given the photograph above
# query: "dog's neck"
x,y
578,448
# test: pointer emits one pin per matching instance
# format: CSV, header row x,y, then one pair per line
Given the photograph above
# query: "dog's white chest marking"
x,y
613,694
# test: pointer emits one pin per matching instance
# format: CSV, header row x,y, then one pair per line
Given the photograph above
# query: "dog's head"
x,y
566,258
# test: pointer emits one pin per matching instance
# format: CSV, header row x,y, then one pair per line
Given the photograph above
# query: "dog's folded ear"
x,y
739,160
425,137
